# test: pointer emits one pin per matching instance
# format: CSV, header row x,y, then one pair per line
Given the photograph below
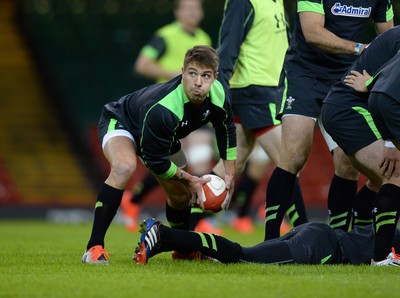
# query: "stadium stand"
x,y
37,164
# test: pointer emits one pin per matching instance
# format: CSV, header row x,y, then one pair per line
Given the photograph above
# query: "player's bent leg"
x,y
295,151
367,161
121,154
271,142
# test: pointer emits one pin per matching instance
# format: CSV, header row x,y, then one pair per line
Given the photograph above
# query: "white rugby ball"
x,y
215,193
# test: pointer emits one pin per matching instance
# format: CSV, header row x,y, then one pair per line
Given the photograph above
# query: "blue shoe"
x,y
149,244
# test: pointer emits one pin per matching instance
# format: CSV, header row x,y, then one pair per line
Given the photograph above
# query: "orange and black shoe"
x,y
95,255
149,244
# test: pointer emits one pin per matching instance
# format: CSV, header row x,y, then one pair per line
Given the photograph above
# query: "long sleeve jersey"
x,y
160,115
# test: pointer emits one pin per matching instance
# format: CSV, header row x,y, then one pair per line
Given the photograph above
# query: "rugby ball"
x,y
214,193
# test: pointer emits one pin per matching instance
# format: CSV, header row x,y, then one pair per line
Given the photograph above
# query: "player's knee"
x,y
123,169
349,172
293,164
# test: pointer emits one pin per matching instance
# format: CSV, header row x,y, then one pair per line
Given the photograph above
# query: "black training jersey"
x,y
380,50
358,245
346,19
159,115
387,80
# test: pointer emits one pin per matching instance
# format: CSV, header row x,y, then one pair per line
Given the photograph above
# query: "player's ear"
x,y
216,73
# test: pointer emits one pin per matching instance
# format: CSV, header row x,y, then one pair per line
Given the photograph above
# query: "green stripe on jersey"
x,y
389,13
217,94
310,7
175,101
324,260
111,125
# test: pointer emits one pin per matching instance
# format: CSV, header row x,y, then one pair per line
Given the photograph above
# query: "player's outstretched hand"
x,y
357,80
195,185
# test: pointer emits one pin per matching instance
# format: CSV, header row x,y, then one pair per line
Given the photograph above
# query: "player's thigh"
x,y
117,142
367,160
245,144
270,141
297,139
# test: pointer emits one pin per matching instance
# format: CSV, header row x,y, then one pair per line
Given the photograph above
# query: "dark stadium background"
x,y
60,61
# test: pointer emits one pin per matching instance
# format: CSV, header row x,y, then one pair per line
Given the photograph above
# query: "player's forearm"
x,y
329,42
230,167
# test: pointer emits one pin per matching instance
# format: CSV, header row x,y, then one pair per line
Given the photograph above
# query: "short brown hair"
x,y
202,55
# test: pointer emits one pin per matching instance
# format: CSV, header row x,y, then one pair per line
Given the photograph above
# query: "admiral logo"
x,y
350,11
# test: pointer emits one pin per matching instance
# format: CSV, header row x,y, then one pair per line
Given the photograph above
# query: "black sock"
x,y
141,189
340,202
386,209
196,215
208,244
108,201
297,211
279,194
243,194
362,208
179,219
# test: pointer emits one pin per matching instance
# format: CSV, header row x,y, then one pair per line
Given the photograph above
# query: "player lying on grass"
x,y
309,243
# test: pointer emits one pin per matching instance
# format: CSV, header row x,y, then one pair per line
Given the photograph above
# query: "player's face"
x,y
197,81
190,12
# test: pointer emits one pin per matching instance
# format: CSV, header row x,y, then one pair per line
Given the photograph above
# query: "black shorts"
x,y
313,243
255,106
351,128
109,127
386,113
301,95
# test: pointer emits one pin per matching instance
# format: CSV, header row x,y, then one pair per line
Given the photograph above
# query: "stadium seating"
x,y
37,164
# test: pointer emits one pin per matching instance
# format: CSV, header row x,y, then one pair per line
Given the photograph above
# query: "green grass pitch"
x,y
41,259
